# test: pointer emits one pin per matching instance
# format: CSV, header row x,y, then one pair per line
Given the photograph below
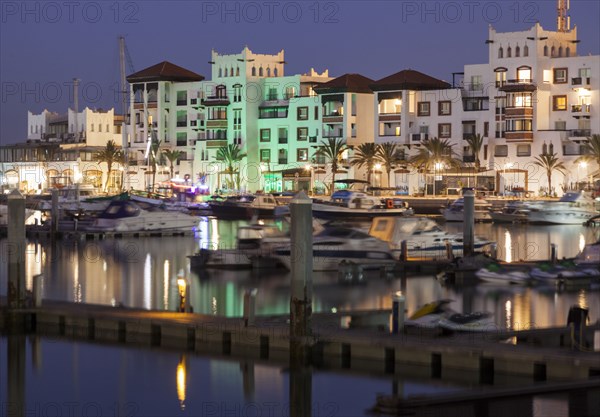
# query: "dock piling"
x,y
398,306
38,282
553,253
469,222
16,250
249,307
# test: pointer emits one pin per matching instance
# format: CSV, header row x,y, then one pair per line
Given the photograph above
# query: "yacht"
x,y
334,245
31,216
454,212
590,255
78,198
353,205
512,212
129,216
572,208
247,207
424,237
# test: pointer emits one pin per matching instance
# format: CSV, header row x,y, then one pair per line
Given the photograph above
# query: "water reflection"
x,y
143,273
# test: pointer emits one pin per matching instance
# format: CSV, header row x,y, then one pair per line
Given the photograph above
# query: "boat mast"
x,y
124,111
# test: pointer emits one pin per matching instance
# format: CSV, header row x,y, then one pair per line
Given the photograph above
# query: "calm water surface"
x,y
143,273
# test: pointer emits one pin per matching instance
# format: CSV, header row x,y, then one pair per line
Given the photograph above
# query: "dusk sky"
x,y
44,45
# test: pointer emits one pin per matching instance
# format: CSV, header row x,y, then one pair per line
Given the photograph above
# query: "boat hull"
x,y
330,260
324,212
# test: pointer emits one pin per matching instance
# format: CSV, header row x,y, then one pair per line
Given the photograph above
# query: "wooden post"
x,y
469,223
16,250
301,306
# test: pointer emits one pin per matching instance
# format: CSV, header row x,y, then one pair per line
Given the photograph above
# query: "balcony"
x,y
580,133
580,81
390,117
519,136
216,101
514,86
579,110
333,119
216,143
216,124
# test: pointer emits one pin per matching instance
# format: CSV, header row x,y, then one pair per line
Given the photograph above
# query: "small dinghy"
x,y
470,322
497,274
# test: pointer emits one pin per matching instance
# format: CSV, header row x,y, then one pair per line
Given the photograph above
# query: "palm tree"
x,y
230,154
154,158
434,151
111,155
475,143
365,155
389,154
592,150
332,150
172,156
550,163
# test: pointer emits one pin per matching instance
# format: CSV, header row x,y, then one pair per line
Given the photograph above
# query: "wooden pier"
x,y
546,354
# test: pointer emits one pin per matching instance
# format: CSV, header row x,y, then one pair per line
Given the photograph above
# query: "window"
x,y
508,52
560,51
423,108
260,72
476,84
92,127
181,139
265,155
560,125
265,135
444,108
518,125
501,150
302,133
316,112
302,113
231,72
237,93
282,135
107,129
444,130
237,72
302,155
275,72
519,100
524,74
290,92
182,98
545,50
500,53
526,50
500,77
268,71
553,52
523,150
517,51
568,52
99,127
561,75
559,103
271,93
254,71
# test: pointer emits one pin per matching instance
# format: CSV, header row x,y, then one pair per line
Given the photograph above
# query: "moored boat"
x,y
513,212
572,208
469,322
497,274
247,207
128,216
352,205
454,212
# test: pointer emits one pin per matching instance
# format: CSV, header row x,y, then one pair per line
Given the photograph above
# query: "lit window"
x,y
559,103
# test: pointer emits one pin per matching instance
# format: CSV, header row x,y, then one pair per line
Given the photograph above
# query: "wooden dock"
x,y
538,354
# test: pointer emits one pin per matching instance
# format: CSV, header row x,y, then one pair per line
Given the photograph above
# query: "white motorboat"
x,y
454,212
497,274
352,205
572,208
513,212
424,237
128,216
248,206
334,245
469,322
78,198
590,255
565,272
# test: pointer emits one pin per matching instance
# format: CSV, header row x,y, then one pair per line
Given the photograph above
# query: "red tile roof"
x,y
164,71
347,83
409,80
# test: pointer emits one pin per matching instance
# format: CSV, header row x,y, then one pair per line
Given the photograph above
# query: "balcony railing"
x,y
580,81
417,137
581,108
580,133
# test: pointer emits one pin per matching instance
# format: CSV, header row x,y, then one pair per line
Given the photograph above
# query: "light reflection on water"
x,y
143,273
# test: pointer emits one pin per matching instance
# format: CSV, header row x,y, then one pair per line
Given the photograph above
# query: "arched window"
x,y
260,72
268,72
545,50
220,72
254,71
568,52
231,72
500,53
526,50
237,72
508,52
275,72
553,52
517,51
560,51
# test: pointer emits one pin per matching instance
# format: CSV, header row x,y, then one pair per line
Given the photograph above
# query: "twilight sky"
x,y
45,44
